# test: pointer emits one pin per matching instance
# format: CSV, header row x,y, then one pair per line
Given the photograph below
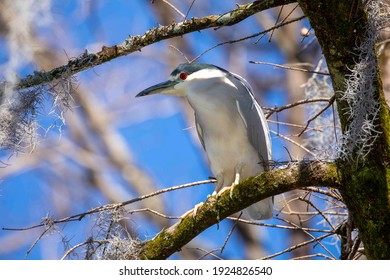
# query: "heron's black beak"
x,y
166,87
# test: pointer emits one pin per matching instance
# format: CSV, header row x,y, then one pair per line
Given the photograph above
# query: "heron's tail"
x,y
261,210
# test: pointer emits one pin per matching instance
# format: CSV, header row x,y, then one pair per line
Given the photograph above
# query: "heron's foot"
x,y
236,180
232,189
196,207
224,189
192,212
214,194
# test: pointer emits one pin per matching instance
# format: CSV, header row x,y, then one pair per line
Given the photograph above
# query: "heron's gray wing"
x,y
199,130
254,119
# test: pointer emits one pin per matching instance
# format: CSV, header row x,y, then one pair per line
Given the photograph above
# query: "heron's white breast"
x,y
224,133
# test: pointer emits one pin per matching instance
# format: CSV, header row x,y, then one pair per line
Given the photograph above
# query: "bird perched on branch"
x,y
230,124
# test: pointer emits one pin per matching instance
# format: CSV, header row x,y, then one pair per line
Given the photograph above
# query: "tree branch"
x,y
347,32
267,184
271,110
136,43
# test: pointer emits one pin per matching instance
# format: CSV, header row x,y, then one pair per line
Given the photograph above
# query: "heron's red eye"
x,y
183,76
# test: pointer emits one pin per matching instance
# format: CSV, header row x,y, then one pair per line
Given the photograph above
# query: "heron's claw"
x,y
192,212
231,189
196,207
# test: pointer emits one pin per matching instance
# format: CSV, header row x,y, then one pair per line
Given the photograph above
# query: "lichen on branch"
x,y
213,210
132,44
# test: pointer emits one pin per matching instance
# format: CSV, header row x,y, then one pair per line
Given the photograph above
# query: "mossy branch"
x,y
154,35
253,189
346,31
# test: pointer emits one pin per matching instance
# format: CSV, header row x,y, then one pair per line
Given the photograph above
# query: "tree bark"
x,y
267,184
341,26
154,35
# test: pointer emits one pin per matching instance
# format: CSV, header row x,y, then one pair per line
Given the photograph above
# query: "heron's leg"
x,y
237,170
219,188
214,192
219,185
237,176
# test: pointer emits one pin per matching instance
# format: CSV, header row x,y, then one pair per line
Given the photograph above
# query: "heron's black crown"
x,y
190,68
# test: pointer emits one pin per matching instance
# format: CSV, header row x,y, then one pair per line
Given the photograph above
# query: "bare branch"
x,y
311,236
81,245
136,43
230,233
174,8
292,105
47,229
290,67
153,212
180,52
318,210
294,227
107,207
189,9
249,37
297,246
330,193
293,142
313,256
331,101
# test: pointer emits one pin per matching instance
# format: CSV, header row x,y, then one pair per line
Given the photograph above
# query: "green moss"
x,y
340,26
246,193
366,195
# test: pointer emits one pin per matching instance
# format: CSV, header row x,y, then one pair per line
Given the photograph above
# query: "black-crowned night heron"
x,y
230,124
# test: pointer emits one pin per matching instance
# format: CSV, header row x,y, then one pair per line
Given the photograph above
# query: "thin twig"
x,y
293,142
291,105
286,17
277,19
107,207
355,248
290,67
174,8
230,233
248,37
108,233
37,240
288,202
80,245
334,125
211,253
312,236
295,125
261,37
318,210
325,192
292,248
305,35
180,52
331,101
312,213
251,222
313,256
189,9
153,212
